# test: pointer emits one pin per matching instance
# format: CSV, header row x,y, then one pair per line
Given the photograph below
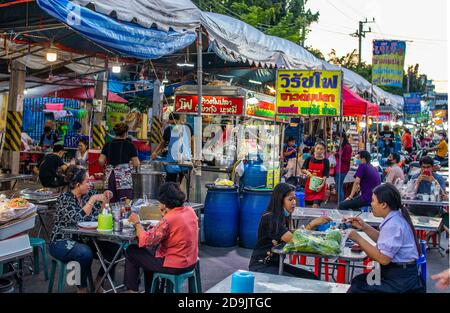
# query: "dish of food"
x,y
88,225
18,204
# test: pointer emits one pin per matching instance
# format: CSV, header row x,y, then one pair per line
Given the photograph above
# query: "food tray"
x,y
17,227
20,213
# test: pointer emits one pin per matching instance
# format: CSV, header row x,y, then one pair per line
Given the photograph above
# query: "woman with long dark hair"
x,y
343,158
397,248
274,229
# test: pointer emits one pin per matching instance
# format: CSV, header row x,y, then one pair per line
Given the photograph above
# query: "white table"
x,y
420,222
347,255
268,283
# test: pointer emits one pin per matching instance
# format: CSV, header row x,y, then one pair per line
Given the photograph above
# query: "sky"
x,y
423,22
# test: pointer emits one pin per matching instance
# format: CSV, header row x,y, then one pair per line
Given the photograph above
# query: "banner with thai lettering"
x,y
263,109
303,92
216,105
387,62
412,103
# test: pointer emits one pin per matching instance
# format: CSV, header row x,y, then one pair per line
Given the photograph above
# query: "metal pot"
x,y
152,166
147,182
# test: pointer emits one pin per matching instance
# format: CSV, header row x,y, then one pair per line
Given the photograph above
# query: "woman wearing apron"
x,y
317,166
118,154
397,248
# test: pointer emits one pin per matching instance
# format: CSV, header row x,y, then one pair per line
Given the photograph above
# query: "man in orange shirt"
x,y
407,142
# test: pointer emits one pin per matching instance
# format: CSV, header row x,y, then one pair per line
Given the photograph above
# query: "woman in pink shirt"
x,y
343,157
170,247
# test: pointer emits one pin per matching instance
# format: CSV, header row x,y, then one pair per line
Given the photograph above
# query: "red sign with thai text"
x,y
218,105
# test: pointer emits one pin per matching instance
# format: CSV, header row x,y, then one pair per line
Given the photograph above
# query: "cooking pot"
x,y
152,166
147,182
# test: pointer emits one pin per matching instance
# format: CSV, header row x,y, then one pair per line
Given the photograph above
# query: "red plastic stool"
x,y
434,239
365,263
340,277
294,259
316,267
303,260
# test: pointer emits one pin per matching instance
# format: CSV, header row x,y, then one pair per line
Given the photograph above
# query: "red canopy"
x,y
354,105
84,93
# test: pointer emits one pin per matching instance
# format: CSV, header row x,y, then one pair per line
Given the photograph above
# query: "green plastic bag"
x,y
323,243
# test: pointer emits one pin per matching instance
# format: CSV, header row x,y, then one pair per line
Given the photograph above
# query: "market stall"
x,y
238,124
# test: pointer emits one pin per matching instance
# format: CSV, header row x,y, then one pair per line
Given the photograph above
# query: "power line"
x,y
342,12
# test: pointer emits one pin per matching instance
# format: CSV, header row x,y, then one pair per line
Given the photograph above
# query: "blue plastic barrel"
x,y
255,175
300,196
221,216
253,204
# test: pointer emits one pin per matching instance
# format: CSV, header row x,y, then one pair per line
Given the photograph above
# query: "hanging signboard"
x,y
412,103
303,92
262,109
387,62
215,105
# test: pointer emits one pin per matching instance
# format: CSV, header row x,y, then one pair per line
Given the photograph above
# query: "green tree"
x,y
288,19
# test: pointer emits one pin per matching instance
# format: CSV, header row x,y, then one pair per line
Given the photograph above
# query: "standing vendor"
x,y
397,248
118,154
48,138
316,166
176,145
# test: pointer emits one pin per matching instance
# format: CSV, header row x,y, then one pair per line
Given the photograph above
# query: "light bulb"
x,y
116,69
51,55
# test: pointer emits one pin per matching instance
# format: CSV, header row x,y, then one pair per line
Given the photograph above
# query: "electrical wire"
x,y
340,11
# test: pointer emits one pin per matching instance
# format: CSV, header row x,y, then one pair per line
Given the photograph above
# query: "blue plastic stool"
x,y
62,276
39,243
177,281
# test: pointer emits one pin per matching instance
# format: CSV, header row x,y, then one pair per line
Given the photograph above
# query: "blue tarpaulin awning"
x,y
123,38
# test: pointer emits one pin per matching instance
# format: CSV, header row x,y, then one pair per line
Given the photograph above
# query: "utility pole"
x,y
361,33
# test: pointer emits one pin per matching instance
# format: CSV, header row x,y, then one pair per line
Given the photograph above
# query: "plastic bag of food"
x,y
223,182
324,243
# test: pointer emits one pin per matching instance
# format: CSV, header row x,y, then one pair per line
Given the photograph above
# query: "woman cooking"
x,y
274,229
315,167
118,154
397,248
79,204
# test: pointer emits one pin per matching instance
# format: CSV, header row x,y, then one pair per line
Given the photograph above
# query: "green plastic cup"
x,y
105,222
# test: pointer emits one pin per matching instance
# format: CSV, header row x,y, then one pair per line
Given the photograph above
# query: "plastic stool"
x,y
177,281
340,278
62,276
302,260
365,263
39,243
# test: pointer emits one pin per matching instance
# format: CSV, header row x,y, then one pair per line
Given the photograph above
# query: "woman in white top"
x,y
82,153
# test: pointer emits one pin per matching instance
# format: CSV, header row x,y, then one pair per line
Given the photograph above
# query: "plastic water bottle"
x,y
433,192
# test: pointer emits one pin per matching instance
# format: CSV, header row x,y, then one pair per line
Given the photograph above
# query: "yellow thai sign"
x,y
304,92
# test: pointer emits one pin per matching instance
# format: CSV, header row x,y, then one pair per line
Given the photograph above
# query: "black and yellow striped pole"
x,y
13,131
98,136
156,131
